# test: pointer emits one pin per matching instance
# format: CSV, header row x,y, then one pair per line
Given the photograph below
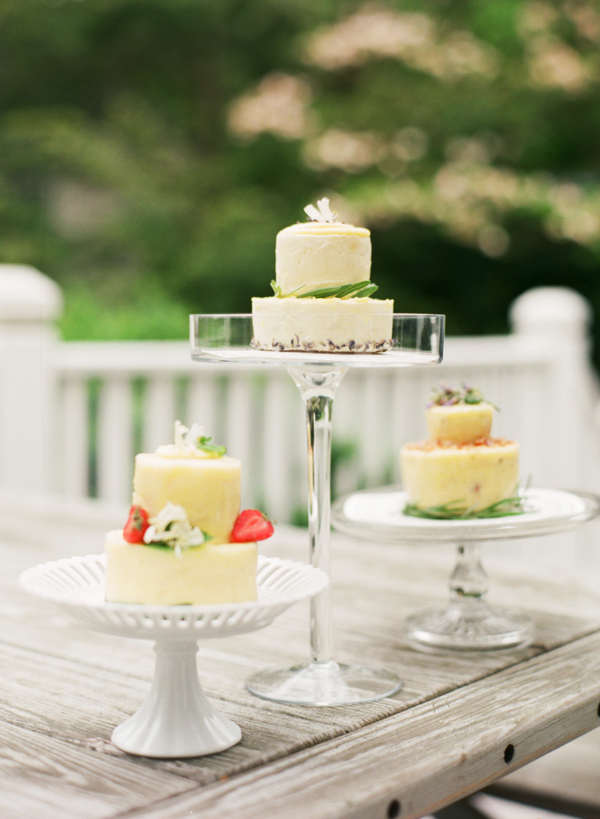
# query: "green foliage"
x,y
150,151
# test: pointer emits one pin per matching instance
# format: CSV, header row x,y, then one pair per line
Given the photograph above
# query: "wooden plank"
x,y
425,757
345,761
48,778
569,774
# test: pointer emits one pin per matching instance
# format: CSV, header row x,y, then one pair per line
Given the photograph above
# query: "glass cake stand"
x,y
417,339
176,720
468,622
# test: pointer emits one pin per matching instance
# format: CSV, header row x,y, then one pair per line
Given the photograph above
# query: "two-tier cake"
x,y
459,468
322,291
185,541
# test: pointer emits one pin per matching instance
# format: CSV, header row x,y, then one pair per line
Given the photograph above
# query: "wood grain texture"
x,y
444,734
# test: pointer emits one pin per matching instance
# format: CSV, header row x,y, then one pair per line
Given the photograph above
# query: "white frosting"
x,y
322,325
316,255
185,445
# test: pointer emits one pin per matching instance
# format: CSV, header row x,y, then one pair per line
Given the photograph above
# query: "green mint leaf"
x,y
205,445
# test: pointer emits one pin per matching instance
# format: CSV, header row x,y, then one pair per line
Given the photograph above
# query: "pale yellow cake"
x,y
311,257
460,464
176,546
210,573
209,489
321,254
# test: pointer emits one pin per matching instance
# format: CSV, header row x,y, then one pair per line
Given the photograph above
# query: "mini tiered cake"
x,y
322,289
460,469
185,541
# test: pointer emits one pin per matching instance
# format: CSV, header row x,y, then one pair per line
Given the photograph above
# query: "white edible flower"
x,y
322,213
187,438
172,527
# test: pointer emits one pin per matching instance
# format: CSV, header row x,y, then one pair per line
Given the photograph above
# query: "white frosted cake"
x,y
322,291
459,468
185,541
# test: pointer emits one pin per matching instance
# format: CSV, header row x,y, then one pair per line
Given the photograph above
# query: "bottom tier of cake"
x,y
322,325
210,573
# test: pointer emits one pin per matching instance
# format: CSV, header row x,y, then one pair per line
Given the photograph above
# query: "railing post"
x,y
30,303
556,322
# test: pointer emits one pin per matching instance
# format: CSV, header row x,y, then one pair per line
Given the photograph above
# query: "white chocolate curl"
x,y
322,213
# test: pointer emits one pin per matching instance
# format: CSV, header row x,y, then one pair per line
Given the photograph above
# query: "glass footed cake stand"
x,y
416,340
468,622
176,720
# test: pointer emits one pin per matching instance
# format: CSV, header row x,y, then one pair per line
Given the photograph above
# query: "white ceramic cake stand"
x,y
176,720
417,339
468,622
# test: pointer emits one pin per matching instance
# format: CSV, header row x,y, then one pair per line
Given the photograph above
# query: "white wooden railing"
x,y
73,414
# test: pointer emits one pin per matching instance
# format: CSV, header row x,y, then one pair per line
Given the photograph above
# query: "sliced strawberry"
x,y
251,525
136,525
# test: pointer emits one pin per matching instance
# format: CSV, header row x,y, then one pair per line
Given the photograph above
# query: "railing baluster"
x,y
159,411
240,436
202,403
75,435
115,439
278,431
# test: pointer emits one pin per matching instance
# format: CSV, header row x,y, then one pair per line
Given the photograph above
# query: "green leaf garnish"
x,y
456,510
358,290
344,291
161,544
213,449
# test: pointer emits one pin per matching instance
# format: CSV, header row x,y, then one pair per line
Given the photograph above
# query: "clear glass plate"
x,y
417,339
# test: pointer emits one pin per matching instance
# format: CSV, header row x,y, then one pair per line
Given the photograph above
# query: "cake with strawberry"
x,y
185,541
460,470
322,287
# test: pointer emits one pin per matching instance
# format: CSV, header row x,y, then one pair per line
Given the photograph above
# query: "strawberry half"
x,y
251,525
136,525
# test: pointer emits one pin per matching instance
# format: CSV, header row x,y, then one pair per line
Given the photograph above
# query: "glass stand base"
x,y
327,683
468,625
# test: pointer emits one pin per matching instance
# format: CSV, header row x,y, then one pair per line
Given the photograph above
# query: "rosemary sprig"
x,y
455,511
358,290
344,291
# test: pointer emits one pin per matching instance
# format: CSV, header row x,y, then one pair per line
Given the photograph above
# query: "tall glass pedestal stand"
x,y
418,339
468,622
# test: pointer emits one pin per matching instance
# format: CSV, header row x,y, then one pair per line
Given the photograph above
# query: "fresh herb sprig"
x,y
212,449
456,510
358,290
445,396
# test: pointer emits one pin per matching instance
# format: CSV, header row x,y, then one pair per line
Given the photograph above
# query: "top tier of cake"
x,y
459,423
321,254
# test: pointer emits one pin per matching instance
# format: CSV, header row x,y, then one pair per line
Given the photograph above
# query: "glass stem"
x,y
317,388
468,581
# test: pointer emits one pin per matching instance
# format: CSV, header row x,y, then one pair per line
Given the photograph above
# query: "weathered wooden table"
x,y
461,721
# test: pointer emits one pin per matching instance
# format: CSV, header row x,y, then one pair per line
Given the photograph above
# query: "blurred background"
x,y
151,149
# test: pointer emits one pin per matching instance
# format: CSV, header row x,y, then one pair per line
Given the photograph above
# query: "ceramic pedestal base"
x,y
176,719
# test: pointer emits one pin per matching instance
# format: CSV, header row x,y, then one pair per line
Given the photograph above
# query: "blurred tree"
x,y
149,151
